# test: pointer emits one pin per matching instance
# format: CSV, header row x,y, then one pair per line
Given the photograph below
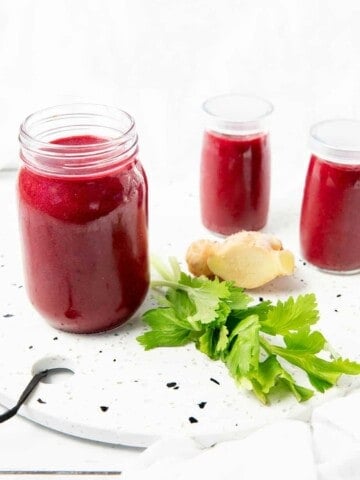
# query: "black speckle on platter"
x,y
193,420
103,408
215,381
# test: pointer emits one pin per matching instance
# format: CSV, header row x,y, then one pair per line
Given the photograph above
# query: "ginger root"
x,y
249,259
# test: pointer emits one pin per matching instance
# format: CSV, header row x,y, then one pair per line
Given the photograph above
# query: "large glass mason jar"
x,y
83,216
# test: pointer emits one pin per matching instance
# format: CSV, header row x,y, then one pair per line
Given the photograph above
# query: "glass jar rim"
x,y
40,130
79,108
237,113
336,140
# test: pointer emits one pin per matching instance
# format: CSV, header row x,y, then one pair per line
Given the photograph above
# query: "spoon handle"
x,y
28,389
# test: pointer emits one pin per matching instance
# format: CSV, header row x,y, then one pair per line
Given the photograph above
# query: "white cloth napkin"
x,y
281,450
336,438
326,448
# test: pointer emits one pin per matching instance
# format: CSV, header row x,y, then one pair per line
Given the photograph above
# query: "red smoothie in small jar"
x,y
235,182
84,242
330,217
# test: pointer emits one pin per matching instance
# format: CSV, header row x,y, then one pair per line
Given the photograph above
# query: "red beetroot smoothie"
x,y
330,217
235,182
85,244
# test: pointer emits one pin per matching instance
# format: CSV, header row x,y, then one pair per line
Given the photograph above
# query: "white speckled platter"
x,y
121,394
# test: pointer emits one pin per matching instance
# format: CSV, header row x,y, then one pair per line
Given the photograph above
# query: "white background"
x,y
159,60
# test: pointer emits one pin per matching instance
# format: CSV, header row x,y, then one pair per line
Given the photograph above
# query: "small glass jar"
x,y
235,164
330,216
83,216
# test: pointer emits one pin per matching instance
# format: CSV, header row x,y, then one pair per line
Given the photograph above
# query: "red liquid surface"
x,y
85,244
235,182
330,217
